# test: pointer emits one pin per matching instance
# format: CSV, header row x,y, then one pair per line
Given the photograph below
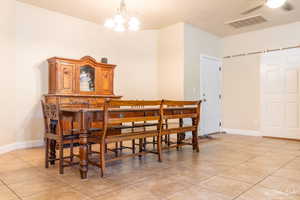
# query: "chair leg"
x,y
179,135
61,158
116,149
46,153
153,140
195,142
145,143
105,148
140,146
102,159
52,151
121,146
71,152
159,142
178,138
133,146
195,135
90,148
166,139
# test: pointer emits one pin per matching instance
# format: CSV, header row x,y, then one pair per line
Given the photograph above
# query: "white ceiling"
x,y
209,15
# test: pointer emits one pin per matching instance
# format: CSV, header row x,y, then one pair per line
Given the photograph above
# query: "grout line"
x,y
272,173
10,189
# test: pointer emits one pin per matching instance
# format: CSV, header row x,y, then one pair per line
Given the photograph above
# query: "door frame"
x,y
220,60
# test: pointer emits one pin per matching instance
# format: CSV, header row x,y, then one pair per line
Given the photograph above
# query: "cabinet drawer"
x,y
96,101
74,101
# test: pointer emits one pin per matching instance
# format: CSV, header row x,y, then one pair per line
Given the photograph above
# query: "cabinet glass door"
x,y
87,78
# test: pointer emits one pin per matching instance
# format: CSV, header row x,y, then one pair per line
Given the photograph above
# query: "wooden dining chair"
x,y
175,113
56,137
123,115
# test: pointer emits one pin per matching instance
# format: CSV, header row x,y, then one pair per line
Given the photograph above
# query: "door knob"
x,y
204,100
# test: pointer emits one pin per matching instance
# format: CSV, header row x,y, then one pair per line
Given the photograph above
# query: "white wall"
x,y
241,77
196,43
180,47
42,34
271,38
241,96
8,70
171,62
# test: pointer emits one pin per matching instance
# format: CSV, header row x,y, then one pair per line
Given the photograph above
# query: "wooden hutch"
x,y
80,83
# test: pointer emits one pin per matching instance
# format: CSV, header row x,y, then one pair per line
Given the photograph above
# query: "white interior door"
x,y
280,94
211,95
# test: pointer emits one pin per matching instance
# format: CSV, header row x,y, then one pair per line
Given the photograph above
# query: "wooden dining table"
x,y
84,117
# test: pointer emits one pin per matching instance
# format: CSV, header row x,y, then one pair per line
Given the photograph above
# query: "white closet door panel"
x,y
280,94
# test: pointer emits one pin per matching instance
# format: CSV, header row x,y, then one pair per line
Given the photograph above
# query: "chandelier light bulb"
x,y
109,23
275,3
119,19
119,28
133,21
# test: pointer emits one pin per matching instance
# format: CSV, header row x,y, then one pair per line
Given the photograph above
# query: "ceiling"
x,y
209,15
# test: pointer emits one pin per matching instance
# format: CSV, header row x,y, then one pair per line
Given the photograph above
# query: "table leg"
x,y
195,137
83,151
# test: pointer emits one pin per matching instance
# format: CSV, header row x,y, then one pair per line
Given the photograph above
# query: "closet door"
x,y
280,94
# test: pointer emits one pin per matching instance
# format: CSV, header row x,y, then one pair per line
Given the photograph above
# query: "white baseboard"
x,y
21,145
242,132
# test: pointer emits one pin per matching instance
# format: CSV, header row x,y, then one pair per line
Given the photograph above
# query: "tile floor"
x,y
228,167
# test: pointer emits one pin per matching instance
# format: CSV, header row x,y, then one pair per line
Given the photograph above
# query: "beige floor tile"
x,y
208,167
288,173
33,186
294,164
21,175
197,193
129,193
162,187
184,174
271,161
29,154
6,194
14,164
222,159
261,168
282,184
245,174
95,187
226,186
7,158
65,193
261,193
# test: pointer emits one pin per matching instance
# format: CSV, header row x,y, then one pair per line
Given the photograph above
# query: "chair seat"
x,y
70,137
130,134
145,124
68,145
174,127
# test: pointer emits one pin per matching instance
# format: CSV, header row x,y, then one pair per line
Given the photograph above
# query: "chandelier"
x,y
122,21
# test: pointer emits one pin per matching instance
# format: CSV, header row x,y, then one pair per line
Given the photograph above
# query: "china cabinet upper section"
x,y
82,77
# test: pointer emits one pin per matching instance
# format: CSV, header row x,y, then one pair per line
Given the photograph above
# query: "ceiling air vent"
x,y
247,21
